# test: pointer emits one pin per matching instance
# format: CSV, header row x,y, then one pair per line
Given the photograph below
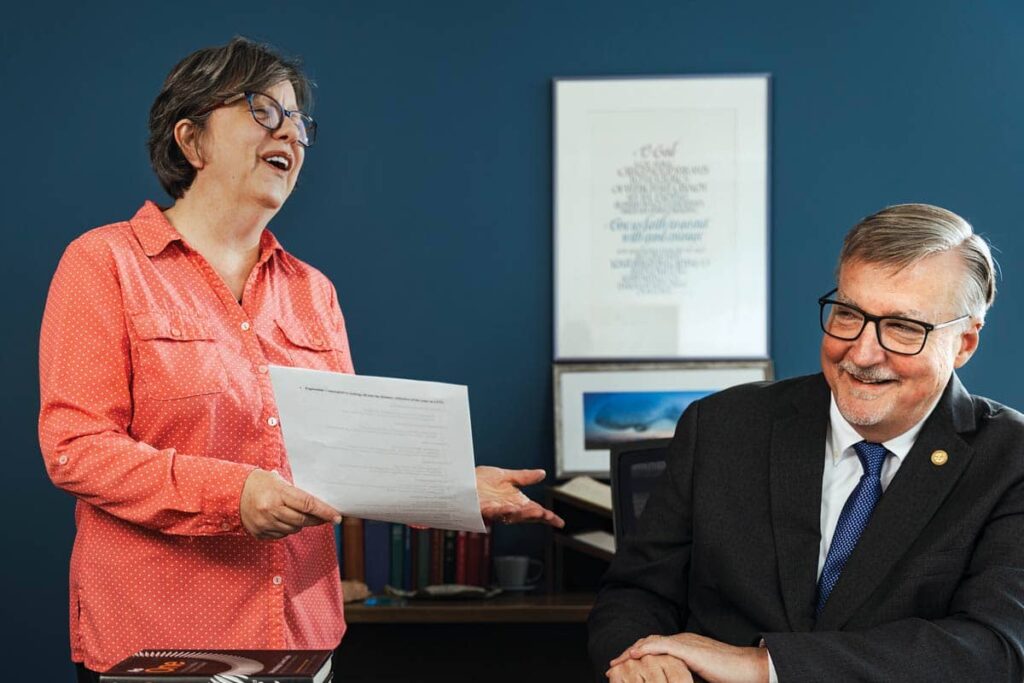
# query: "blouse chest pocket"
x,y
177,356
308,344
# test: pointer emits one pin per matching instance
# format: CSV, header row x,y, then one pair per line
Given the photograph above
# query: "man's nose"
x,y
865,349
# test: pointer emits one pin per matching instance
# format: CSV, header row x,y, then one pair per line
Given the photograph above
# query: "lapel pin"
x,y
940,458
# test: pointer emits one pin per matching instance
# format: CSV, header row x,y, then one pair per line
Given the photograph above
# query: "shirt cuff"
x,y
773,676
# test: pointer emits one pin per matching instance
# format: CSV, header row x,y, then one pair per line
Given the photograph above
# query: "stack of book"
x,y
388,554
204,666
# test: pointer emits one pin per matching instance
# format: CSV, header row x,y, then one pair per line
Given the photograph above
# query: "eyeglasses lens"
x,y
268,114
901,336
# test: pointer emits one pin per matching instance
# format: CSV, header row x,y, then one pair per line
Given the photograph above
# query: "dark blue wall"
x,y
428,198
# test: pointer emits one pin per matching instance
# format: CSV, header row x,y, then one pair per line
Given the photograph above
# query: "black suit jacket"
x,y
728,545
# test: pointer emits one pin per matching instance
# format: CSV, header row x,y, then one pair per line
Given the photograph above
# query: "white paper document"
x,y
379,448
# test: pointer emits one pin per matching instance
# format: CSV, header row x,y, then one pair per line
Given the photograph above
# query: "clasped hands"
x,y
271,508
686,657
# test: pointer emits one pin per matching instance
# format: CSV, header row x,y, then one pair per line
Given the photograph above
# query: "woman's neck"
x,y
208,223
226,234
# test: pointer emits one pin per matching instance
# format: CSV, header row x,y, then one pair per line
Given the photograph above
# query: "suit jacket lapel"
x,y
797,461
907,505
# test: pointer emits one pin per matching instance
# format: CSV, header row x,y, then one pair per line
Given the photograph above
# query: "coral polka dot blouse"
x,y
156,404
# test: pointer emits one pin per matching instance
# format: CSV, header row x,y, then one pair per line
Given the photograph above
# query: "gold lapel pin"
x,y
940,458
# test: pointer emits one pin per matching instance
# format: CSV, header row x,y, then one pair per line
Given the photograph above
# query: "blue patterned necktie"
x,y
854,517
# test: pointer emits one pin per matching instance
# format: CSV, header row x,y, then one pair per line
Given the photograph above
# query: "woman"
x,y
156,405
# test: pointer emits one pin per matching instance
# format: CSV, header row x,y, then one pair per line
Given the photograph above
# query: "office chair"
x,y
635,468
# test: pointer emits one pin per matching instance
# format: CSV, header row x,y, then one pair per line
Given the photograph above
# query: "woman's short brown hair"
x,y
202,79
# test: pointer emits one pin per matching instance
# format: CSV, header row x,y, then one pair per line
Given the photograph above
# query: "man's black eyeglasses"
x,y
904,336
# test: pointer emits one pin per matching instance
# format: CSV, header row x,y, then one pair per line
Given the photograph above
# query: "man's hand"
x,y
271,508
710,659
502,501
649,669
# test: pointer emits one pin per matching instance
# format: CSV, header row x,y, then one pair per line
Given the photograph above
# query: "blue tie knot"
x,y
872,457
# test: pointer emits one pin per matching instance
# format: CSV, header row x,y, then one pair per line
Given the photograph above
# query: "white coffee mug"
x,y
513,572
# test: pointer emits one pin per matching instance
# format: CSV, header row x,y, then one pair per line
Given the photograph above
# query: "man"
x,y
865,523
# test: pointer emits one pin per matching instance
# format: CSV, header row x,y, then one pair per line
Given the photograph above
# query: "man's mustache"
x,y
872,373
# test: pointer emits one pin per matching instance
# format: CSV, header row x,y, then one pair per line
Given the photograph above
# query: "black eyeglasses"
x,y
904,336
269,113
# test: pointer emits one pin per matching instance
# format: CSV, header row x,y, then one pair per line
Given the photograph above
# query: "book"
x,y
485,560
460,557
414,554
377,549
397,556
449,559
474,550
436,557
422,558
407,572
589,490
217,666
352,562
601,540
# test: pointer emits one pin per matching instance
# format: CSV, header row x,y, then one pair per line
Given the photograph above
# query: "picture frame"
x,y
661,212
598,404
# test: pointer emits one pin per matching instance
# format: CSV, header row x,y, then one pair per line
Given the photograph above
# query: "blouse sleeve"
x,y
85,370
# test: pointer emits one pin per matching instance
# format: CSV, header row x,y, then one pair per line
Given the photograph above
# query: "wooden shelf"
x,y
579,503
573,565
587,548
536,609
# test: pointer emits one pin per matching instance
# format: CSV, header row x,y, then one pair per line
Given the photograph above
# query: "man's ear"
x,y
186,134
969,340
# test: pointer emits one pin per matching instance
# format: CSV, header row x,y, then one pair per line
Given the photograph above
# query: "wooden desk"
x,y
510,638
503,609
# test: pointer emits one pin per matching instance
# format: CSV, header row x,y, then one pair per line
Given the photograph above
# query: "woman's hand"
x,y
271,508
502,501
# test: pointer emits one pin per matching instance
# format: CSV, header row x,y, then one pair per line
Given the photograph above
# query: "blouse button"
x,y
262,369
277,580
272,421
63,460
246,326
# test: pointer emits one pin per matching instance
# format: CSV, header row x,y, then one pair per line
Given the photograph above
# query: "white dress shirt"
x,y
842,472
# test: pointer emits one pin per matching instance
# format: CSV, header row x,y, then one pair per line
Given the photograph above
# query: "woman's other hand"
x,y
502,501
271,508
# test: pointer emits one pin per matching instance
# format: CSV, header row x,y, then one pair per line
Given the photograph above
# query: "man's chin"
x,y
861,415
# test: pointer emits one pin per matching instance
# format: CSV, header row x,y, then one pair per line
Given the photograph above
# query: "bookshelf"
x,y
579,554
509,637
503,609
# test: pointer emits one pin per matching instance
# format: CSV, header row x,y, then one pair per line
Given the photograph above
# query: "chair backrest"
x,y
635,468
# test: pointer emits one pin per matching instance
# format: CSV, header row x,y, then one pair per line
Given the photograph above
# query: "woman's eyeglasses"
x,y
269,113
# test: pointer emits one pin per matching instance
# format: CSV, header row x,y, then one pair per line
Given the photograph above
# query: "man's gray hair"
x,y
902,235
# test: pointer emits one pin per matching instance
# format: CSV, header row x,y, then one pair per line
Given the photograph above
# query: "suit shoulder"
x,y
765,395
992,413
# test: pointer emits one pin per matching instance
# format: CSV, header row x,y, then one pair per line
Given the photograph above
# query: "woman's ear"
x,y
186,134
